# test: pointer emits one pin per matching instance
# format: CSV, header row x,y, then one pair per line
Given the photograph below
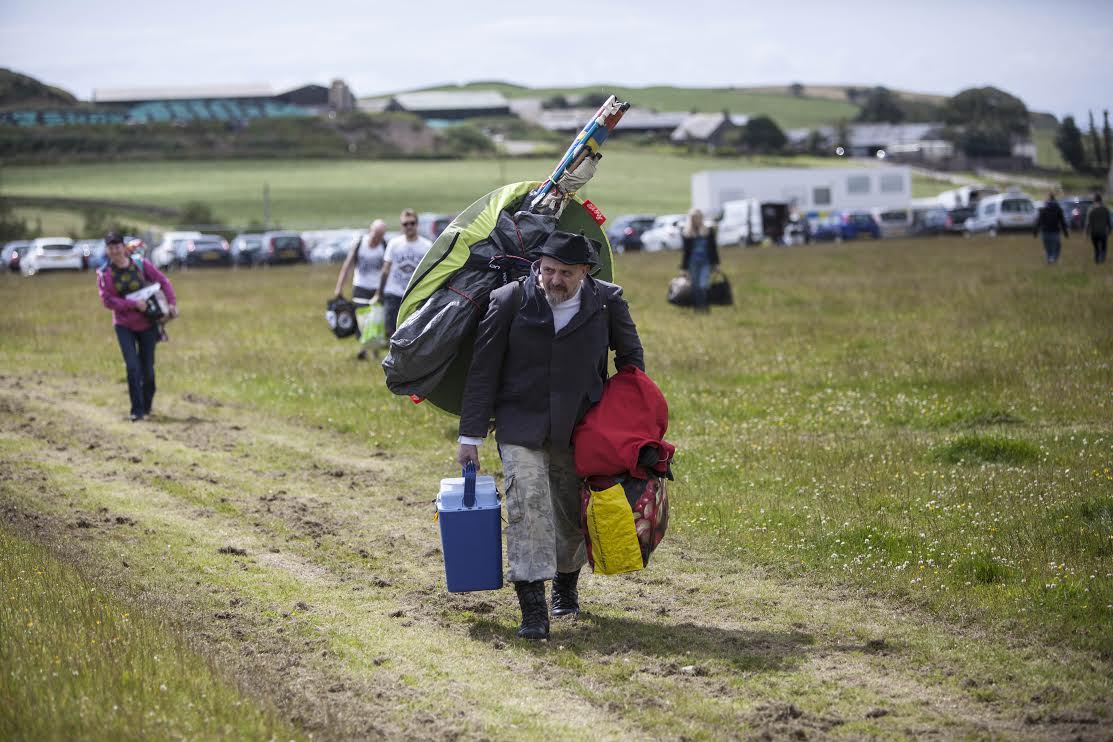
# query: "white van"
x,y
740,223
164,255
1003,212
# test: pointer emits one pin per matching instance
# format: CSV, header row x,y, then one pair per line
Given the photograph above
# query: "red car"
x,y
13,251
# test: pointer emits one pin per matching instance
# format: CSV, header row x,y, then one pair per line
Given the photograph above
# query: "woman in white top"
x,y
366,258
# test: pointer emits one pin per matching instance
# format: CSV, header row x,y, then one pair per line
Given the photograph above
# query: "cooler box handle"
x,y
469,485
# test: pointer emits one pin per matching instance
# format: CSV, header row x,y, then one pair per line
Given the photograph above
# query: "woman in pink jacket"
x,y
136,333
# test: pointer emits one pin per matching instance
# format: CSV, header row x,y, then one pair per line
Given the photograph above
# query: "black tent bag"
x,y
341,317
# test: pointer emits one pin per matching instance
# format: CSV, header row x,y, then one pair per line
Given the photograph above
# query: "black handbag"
x,y
155,308
720,292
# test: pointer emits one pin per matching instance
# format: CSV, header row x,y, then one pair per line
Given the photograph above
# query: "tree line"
x,y
1085,154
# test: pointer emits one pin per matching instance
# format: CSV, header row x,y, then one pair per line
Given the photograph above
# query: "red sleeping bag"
x,y
631,415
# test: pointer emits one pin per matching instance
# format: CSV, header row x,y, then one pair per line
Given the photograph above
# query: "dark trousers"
x,y
391,305
1052,246
139,359
1101,244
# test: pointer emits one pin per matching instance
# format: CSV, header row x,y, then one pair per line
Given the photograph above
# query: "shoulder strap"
x,y
140,264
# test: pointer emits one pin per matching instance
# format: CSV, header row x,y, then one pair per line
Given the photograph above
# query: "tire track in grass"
x,y
439,706
692,647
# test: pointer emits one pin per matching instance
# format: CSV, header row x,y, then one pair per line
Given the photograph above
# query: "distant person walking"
x,y
1097,225
700,258
1049,223
136,333
403,254
366,258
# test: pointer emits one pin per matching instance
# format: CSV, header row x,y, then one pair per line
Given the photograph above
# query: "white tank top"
x,y
369,264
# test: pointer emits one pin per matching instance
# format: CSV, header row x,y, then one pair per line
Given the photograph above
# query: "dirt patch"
x,y
786,721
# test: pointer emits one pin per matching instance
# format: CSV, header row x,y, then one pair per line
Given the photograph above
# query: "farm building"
x,y
206,103
634,121
231,103
446,106
706,128
810,189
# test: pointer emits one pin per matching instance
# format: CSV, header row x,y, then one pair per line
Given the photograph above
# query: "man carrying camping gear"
x,y
402,256
539,363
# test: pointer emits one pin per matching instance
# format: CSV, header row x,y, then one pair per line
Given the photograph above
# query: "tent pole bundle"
x,y
490,243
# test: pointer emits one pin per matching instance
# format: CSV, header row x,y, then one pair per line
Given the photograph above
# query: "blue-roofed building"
x,y
227,103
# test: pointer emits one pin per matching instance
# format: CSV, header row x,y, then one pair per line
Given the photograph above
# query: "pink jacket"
x,y
124,312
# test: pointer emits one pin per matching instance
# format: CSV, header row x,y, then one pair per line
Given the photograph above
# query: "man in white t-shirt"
x,y
403,254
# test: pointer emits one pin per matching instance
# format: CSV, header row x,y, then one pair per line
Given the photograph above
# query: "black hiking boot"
x,y
535,611
566,600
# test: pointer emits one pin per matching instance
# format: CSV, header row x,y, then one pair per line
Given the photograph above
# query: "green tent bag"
x,y
372,325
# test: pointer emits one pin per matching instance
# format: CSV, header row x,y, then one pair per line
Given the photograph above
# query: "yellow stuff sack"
x,y
612,539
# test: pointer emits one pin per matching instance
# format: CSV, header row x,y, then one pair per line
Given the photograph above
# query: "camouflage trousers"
x,y
542,513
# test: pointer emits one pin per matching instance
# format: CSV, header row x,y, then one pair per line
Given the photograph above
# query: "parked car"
x,y
625,232
206,250
845,225
928,222
12,253
164,253
430,226
93,253
283,247
247,249
50,253
665,234
956,219
893,222
1001,213
1075,209
334,246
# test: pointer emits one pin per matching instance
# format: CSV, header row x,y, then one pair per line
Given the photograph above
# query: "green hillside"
x,y
21,90
789,111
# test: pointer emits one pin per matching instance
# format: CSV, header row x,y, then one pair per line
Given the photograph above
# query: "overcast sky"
x,y
1057,55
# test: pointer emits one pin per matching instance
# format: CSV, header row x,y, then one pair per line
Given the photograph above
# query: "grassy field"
x,y
308,194
1047,154
894,462
79,663
51,221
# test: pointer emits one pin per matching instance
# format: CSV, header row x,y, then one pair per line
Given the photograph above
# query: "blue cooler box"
x,y
470,515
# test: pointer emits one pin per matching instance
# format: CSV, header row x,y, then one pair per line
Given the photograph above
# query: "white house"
x,y
808,189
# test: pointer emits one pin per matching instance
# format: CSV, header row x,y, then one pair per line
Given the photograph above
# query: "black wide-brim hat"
x,y
571,249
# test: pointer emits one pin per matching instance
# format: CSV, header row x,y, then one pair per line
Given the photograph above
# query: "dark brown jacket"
x,y
536,385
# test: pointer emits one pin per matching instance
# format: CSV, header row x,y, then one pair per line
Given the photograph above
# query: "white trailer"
x,y
812,189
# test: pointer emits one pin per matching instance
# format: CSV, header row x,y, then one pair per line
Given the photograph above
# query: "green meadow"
x,y
894,461
306,194
929,418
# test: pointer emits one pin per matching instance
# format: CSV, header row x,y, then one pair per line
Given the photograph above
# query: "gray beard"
x,y
553,300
